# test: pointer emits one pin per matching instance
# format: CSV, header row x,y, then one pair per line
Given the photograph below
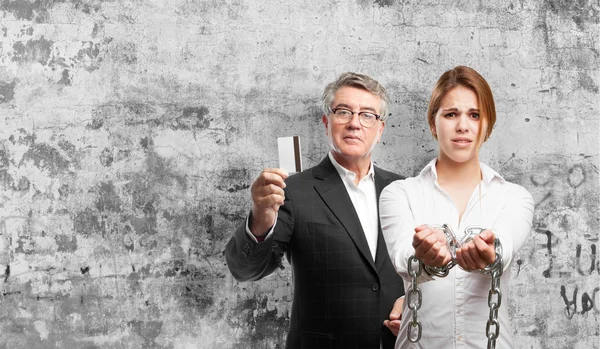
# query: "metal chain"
x,y
414,304
452,244
492,328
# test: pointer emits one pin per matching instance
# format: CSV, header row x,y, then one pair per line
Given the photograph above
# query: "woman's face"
x,y
457,125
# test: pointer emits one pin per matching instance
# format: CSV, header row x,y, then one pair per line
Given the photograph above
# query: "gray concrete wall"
x,y
130,132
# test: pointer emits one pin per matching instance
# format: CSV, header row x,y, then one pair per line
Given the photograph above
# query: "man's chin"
x,y
351,153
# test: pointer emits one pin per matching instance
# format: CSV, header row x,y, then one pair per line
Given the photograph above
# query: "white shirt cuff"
x,y
252,235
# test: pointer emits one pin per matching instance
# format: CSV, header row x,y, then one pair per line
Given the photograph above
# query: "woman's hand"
x,y
478,253
430,246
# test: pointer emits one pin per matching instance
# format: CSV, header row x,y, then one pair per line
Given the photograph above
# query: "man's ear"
x,y
325,122
380,131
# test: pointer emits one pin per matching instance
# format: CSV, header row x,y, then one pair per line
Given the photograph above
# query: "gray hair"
x,y
360,81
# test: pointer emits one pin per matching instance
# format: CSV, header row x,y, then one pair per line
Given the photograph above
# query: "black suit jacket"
x,y
341,296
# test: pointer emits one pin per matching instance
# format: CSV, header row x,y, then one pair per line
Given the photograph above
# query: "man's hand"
x,y
395,316
430,246
267,197
478,253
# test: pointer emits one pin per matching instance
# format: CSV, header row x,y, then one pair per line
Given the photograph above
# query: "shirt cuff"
x,y
255,238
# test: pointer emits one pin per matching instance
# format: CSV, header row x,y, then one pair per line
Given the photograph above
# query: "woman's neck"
x,y
449,171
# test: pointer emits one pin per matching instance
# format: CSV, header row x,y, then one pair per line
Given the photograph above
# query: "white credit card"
x,y
290,158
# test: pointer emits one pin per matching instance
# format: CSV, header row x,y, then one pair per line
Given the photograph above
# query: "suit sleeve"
x,y
249,260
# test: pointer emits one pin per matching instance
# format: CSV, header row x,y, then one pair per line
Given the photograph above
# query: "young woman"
x,y
469,198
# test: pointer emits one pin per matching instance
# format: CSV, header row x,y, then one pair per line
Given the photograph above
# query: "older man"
x,y
325,219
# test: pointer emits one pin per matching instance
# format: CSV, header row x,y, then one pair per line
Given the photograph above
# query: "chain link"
x,y
452,244
492,328
414,304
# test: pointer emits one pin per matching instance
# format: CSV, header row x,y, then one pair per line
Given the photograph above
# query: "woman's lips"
x,y
462,141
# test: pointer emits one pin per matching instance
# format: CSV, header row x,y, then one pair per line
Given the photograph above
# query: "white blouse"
x,y
455,309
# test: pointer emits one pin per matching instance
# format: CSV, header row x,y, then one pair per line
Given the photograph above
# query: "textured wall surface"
x,y
130,132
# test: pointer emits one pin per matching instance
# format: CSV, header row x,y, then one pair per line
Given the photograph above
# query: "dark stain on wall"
x,y
148,330
7,91
146,142
5,177
88,55
63,191
147,223
87,222
23,138
37,10
24,245
106,157
98,27
97,120
107,198
65,78
188,222
124,52
234,179
34,50
21,9
66,243
107,216
262,322
87,6
384,3
132,113
139,113
26,31
234,188
209,226
582,12
23,184
587,82
161,171
47,157
4,160
67,146
198,298
172,116
217,226
192,118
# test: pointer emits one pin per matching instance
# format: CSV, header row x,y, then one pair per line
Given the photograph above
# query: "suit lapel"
x,y
334,194
382,253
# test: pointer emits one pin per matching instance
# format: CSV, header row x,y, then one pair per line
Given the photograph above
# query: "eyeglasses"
x,y
343,116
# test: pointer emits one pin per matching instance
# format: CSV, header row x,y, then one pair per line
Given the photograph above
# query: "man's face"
x,y
352,142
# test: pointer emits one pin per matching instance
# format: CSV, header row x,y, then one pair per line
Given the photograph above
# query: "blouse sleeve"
x,y
513,225
397,225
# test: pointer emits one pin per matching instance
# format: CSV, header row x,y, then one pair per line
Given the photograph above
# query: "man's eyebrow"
x,y
368,108
342,105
